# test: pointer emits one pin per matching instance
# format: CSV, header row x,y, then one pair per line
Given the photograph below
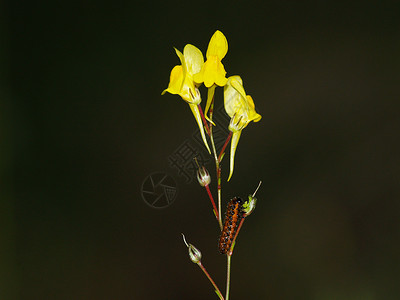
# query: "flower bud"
x,y
194,253
250,205
203,176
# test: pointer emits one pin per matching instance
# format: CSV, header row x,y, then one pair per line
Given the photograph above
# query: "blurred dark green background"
x,y
82,123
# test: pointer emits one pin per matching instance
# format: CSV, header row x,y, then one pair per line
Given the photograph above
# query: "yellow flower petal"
x,y
220,78
213,71
210,96
197,116
193,59
218,46
240,107
253,116
237,84
181,82
199,77
175,81
181,79
234,142
210,71
234,96
181,58
238,103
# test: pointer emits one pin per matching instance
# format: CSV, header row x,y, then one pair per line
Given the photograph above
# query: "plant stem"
x,y
234,238
228,276
204,119
219,194
211,280
229,256
210,100
226,144
212,201
217,166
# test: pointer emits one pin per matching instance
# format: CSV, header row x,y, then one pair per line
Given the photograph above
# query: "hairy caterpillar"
x,y
234,214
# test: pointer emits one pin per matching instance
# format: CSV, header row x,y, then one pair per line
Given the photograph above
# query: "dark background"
x,y
82,123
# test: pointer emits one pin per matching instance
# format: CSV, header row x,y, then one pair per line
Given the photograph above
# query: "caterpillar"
x,y
234,214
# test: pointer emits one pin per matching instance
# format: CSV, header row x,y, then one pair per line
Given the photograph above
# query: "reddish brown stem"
x,y
226,144
204,119
212,201
219,177
211,280
234,238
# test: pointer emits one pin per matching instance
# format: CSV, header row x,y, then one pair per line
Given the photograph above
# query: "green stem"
x,y
219,194
229,256
217,166
228,276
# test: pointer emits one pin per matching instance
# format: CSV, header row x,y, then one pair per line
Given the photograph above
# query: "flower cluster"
x,y
185,80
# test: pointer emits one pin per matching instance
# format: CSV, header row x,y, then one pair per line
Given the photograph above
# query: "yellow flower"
x,y
181,79
213,72
240,107
181,82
